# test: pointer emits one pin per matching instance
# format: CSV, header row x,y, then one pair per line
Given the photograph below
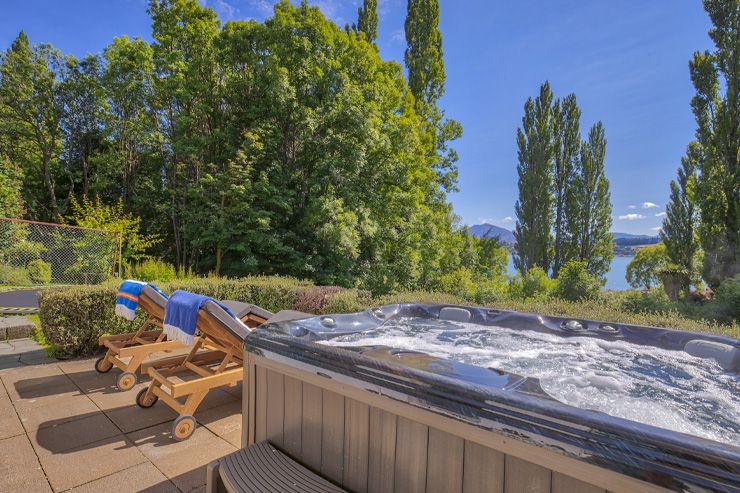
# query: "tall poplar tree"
x,y
423,57
534,206
716,107
426,79
679,226
566,117
367,20
589,210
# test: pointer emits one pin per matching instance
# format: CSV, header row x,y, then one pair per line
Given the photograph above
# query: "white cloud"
x,y
224,9
657,228
492,221
631,217
398,36
263,6
660,214
631,207
648,205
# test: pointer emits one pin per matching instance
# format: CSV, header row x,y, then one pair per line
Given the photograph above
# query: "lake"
x,y
614,278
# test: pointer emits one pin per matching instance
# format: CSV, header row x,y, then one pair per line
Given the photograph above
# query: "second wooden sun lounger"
x,y
214,360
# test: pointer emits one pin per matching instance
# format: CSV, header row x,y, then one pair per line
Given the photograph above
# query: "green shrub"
x,y
348,301
652,301
419,297
13,276
576,283
39,271
534,284
154,270
73,319
726,303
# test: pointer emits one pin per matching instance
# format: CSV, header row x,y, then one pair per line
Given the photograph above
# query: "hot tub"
x,y
331,392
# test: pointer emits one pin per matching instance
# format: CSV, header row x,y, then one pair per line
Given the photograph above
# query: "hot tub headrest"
x,y
727,356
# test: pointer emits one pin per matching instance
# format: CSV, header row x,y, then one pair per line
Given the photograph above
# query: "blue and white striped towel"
x,y
127,298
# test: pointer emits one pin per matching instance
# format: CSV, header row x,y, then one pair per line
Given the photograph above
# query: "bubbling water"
x,y
668,389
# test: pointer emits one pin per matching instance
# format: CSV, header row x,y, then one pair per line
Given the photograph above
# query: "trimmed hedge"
x,y
72,319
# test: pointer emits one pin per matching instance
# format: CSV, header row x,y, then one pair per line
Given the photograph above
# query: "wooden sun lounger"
x,y
214,360
128,351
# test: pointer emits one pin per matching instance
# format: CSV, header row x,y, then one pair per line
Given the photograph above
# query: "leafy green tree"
x,y
644,269
534,206
29,120
367,20
82,112
97,215
566,117
589,210
678,233
186,101
423,56
11,179
426,79
716,77
128,86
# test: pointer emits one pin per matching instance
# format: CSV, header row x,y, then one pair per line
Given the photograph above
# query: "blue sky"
x,y
627,62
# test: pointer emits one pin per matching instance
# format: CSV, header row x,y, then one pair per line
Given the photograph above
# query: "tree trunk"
x,y
49,182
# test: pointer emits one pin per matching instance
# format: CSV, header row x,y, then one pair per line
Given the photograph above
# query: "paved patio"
x,y
65,427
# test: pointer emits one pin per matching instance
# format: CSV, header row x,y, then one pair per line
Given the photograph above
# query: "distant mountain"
x,y
490,231
618,236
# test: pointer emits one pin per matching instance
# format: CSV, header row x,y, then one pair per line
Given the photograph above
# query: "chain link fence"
x,y
34,253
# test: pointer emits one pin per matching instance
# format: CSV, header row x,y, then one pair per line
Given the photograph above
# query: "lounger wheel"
x,y
102,365
144,402
183,427
126,380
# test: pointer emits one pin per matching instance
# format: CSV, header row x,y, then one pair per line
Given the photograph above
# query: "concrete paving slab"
x,y
225,421
24,344
64,436
9,362
89,462
131,417
10,425
3,392
19,468
53,411
140,478
38,389
182,462
77,365
16,327
10,377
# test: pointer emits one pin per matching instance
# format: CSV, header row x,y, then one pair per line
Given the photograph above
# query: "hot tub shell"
x,y
378,419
